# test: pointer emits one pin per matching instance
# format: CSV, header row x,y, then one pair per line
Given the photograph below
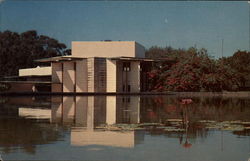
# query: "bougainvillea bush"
x,y
198,72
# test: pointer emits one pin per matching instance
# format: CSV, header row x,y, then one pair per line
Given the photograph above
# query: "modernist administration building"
x,y
101,66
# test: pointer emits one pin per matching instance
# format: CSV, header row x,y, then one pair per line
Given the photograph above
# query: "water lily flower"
x,y
187,145
186,101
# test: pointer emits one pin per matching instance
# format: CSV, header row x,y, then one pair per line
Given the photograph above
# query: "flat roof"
x,y
110,41
71,58
138,59
34,82
59,59
27,76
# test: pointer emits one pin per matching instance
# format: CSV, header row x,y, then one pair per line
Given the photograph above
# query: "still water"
x,y
124,128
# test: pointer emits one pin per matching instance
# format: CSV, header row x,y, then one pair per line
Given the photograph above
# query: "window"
x,y
128,88
125,99
126,66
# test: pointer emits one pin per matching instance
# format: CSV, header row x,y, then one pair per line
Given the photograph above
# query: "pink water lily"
x,y
186,101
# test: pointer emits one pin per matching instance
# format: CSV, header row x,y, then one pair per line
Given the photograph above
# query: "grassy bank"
x,y
213,94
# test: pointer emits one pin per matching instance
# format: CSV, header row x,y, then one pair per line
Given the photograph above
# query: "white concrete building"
x,y
103,66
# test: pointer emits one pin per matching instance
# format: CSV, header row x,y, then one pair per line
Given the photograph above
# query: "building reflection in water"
x,y
25,124
83,114
86,113
34,113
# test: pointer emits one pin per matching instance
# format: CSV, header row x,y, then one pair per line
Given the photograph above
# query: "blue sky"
x,y
180,24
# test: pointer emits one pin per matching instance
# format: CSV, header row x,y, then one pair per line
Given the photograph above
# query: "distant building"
x,y
102,66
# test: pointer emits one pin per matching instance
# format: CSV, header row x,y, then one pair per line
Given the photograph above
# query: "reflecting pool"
x,y
125,128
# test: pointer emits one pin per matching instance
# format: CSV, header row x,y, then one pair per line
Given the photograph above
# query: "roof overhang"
x,y
72,58
34,76
59,59
27,82
138,59
27,76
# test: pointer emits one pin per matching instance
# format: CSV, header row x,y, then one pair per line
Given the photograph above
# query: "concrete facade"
x,y
81,79
30,80
111,76
107,49
104,66
99,67
56,72
38,71
68,77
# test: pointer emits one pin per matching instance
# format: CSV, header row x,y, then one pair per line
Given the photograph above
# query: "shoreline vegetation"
x,y
176,126
194,70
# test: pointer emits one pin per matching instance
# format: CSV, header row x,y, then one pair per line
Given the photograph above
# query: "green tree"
x,y
240,63
170,53
20,50
194,73
221,77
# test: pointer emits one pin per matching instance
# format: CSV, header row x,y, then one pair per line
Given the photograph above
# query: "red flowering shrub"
x,y
195,73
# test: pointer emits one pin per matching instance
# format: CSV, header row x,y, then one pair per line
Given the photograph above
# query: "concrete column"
x,y
81,76
119,77
100,75
91,74
134,77
111,75
56,73
68,77
56,77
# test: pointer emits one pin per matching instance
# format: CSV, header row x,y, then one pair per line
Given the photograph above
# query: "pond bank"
x,y
176,94
213,94
82,93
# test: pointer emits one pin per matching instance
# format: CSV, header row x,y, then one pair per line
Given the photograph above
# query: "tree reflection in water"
x,y
193,118
25,133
